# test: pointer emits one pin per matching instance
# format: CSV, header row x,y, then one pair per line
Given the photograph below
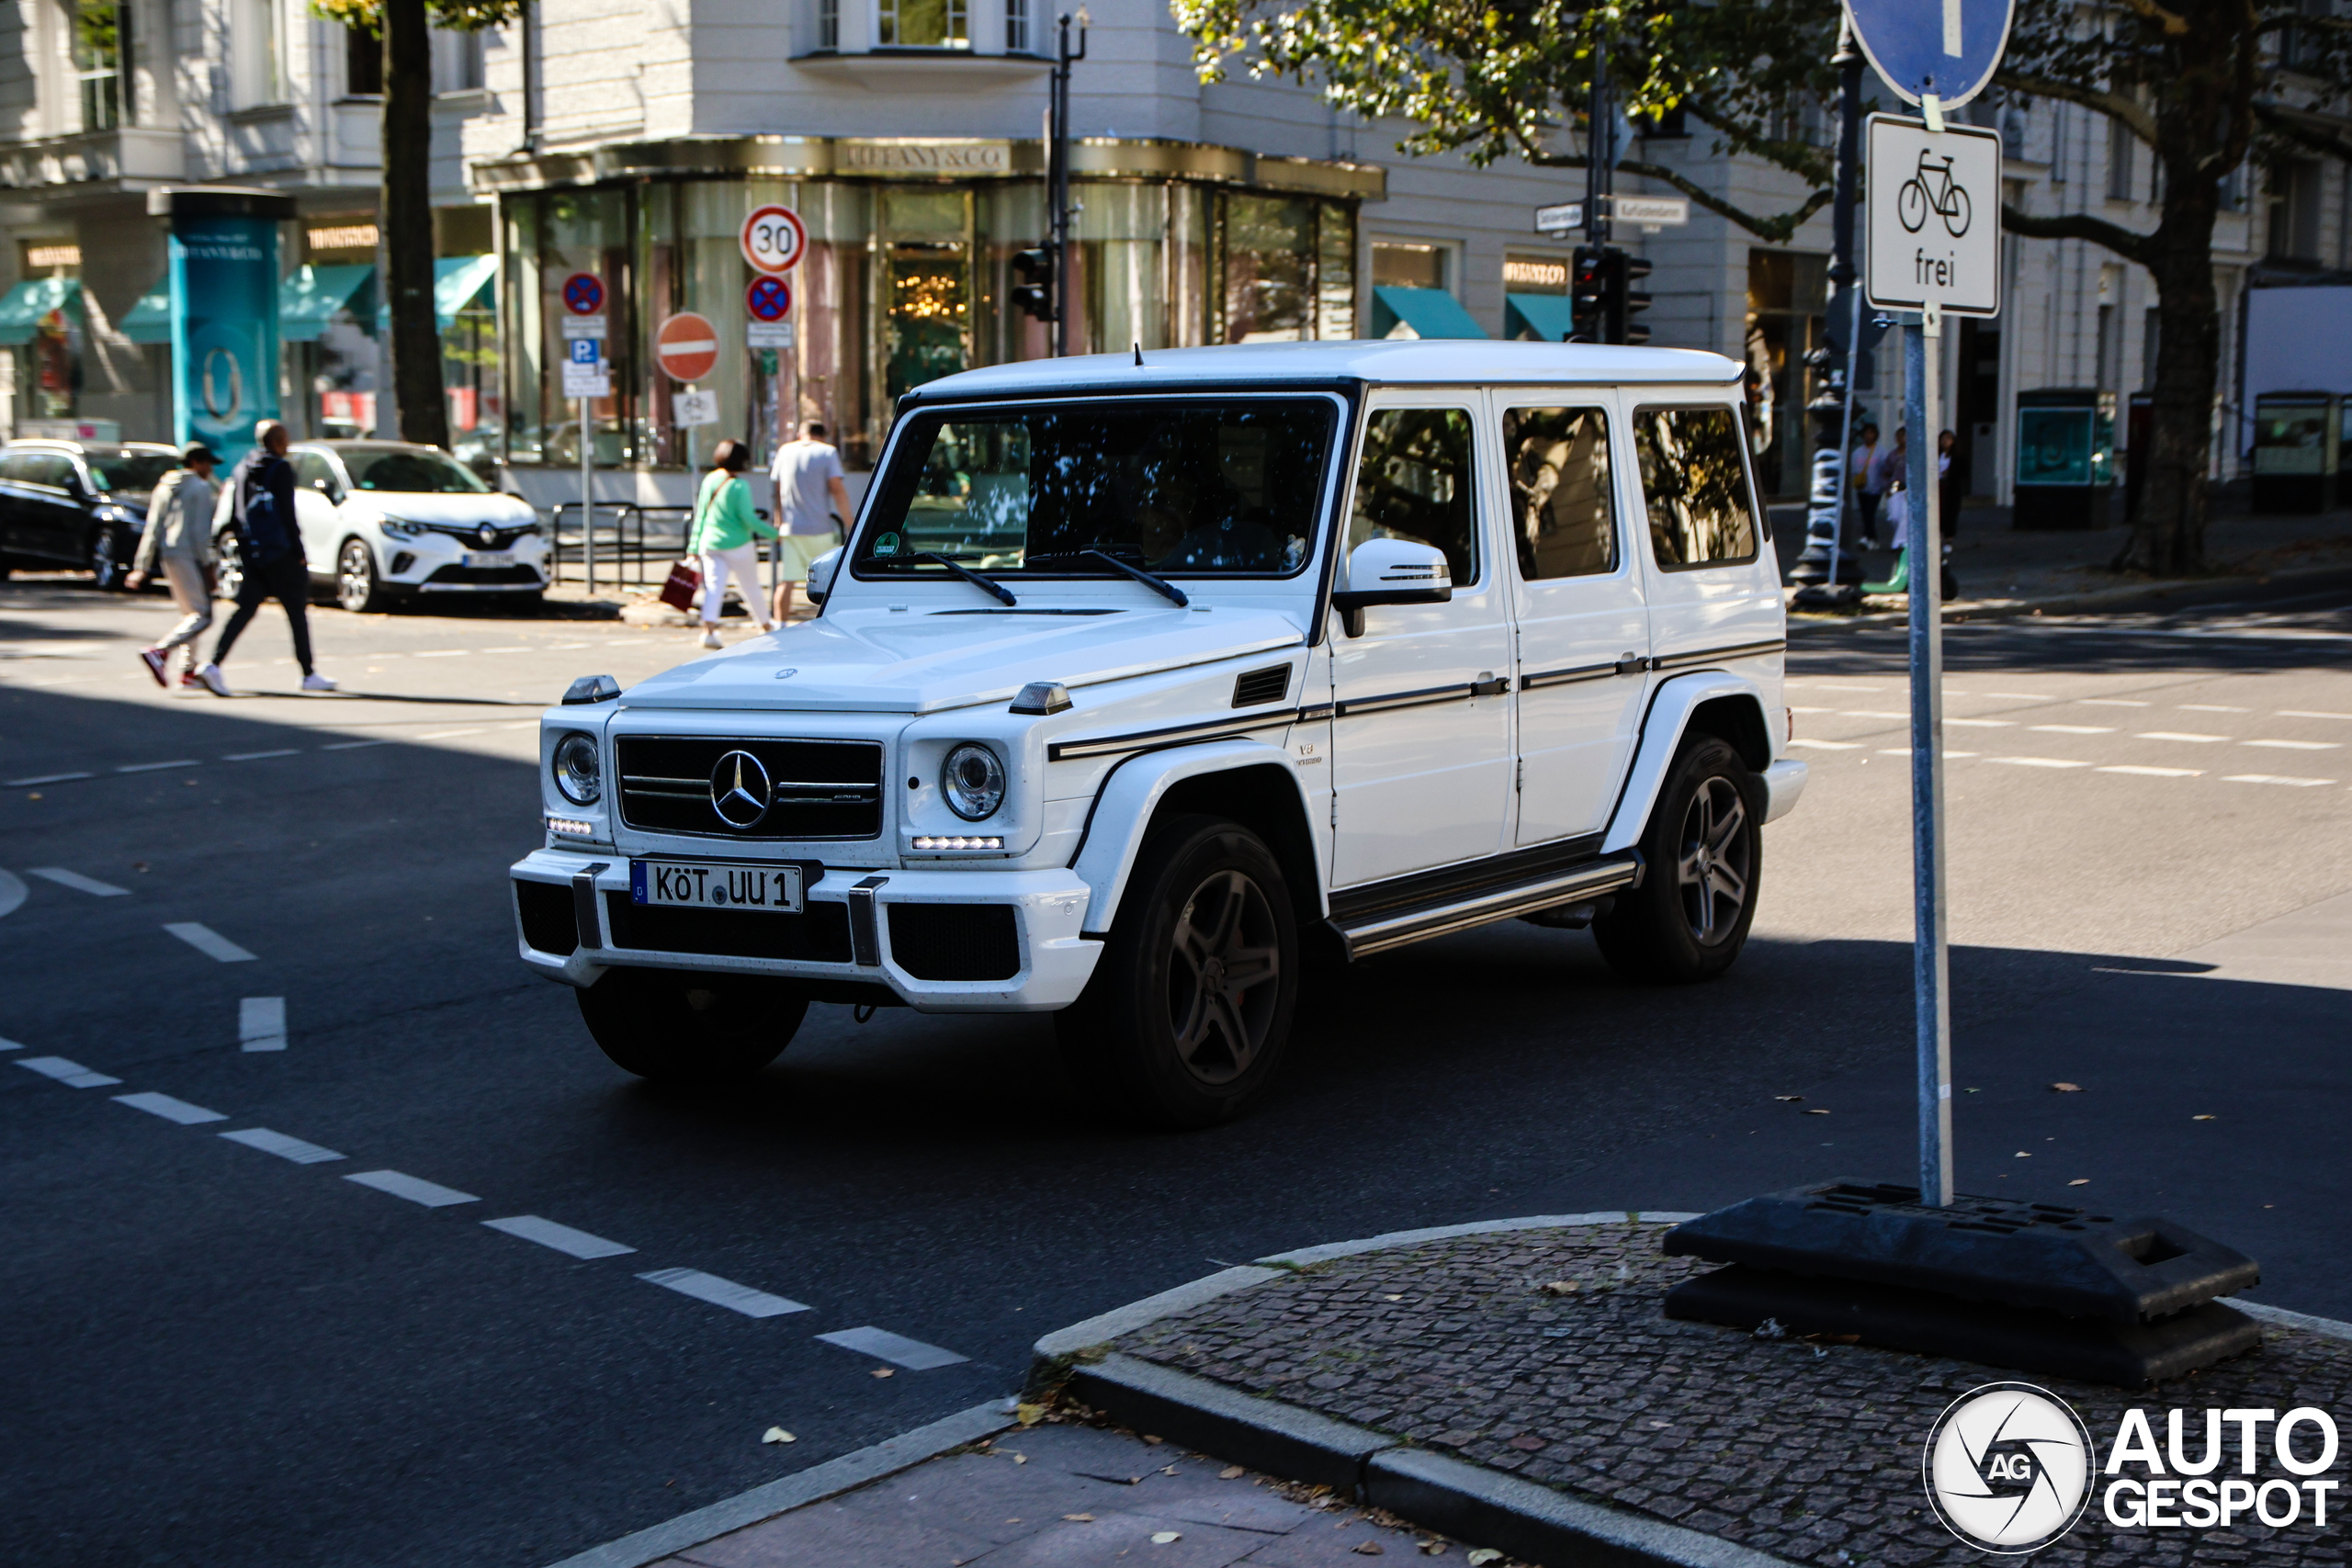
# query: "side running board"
x,y
1378,933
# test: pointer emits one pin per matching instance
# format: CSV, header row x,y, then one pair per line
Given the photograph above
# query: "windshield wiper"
x,y
988,585
1160,586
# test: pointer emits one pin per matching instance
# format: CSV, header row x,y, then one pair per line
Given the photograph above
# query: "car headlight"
x,y
579,772
399,528
973,781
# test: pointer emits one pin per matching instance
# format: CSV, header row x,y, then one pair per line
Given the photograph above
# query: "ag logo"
x,y
2008,1468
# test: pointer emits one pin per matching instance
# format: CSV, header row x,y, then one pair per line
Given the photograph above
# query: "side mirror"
x,y
1391,571
821,574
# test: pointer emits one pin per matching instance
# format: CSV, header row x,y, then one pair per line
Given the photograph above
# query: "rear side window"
x,y
1561,517
1413,482
1695,483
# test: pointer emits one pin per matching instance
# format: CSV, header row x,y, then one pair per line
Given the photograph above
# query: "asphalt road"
x,y
212,1351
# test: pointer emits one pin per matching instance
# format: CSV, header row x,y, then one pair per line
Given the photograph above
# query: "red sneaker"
x,y
188,678
155,658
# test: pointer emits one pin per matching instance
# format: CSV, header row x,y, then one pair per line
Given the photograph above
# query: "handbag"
x,y
686,581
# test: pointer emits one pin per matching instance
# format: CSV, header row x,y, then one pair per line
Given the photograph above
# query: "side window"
x,y
57,473
1695,483
17,467
310,469
1414,482
1560,513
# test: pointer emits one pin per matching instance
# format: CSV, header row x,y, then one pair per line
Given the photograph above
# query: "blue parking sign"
x,y
586,350
1945,47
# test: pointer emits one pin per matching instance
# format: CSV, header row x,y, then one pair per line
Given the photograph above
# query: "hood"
x,y
417,506
873,660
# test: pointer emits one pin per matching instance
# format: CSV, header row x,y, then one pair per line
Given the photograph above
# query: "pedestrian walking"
x,y
1892,468
177,546
1861,464
1951,487
809,495
725,534
270,555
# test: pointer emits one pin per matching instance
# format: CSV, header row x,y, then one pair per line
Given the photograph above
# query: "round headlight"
x,y
578,772
973,781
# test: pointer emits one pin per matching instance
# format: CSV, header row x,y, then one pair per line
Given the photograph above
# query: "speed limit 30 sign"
x,y
773,239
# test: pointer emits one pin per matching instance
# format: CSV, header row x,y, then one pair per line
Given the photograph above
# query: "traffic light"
x,y
1034,293
1625,301
1589,294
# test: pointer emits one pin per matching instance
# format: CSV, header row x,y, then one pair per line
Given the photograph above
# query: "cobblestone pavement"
x,y
1809,1452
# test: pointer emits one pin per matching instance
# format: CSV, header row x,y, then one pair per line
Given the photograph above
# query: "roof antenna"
x,y
1138,343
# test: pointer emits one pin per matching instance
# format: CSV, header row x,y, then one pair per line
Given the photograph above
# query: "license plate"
x,y
491,558
756,889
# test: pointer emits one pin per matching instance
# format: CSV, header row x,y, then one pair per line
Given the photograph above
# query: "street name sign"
x,y
1652,211
1563,219
1944,49
1934,218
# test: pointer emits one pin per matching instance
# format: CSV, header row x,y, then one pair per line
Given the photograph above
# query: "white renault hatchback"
x,y
385,520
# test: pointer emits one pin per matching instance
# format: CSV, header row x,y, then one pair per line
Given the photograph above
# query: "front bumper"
x,y
1048,912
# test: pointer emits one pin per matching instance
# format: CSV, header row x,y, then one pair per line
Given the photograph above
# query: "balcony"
x,y
127,158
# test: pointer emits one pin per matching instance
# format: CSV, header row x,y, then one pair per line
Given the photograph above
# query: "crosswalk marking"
x,y
897,1349
416,1189
209,943
562,1238
76,881
723,1292
283,1147
169,1109
66,1070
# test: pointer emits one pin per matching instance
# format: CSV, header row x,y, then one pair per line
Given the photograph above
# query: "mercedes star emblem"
x,y
740,790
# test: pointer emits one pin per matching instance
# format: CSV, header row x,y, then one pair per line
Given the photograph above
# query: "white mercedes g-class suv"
x,y
1144,680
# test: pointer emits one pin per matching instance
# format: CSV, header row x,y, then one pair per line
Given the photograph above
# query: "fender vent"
x,y
1269,685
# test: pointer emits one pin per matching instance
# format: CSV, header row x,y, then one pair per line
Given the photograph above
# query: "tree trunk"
x,y
407,209
2169,537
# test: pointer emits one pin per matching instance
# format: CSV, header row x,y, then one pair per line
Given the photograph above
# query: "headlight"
x,y
399,529
973,781
578,771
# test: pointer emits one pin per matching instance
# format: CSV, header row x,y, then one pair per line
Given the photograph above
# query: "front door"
x,y
1420,739
1583,627
314,509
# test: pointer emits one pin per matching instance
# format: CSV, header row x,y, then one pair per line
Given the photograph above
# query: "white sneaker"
x,y
317,682
711,638
214,681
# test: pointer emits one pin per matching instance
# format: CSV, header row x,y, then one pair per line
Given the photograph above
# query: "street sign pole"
x,y
587,496
1931,969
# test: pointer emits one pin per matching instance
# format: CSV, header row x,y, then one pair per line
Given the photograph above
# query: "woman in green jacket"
x,y
725,534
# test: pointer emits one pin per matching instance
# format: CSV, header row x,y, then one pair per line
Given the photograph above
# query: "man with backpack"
x,y
269,554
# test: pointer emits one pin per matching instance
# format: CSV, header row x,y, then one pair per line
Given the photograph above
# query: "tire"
x,y
357,588
230,575
682,1027
1163,1034
107,564
1688,918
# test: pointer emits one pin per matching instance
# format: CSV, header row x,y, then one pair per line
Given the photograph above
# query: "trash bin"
x,y
2065,458
2295,436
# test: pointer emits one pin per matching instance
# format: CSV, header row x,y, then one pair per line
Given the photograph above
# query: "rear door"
x,y
1713,604
50,519
1577,592
314,509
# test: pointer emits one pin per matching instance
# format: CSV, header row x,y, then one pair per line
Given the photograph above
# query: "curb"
x,y
811,1485
2171,594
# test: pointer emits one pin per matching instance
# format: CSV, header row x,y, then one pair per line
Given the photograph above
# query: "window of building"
x,y
1561,517
1017,39
2292,212
1399,263
1788,295
2057,143
922,24
102,62
457,64
1414,482
2148,349
1696,486
257,53
1289,273
363,63
828,25
2109,364
2122,150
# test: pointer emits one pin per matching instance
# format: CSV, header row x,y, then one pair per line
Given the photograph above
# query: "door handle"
x,y
1489,684
1630,664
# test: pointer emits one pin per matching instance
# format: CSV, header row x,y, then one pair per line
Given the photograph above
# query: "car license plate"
x,y
490,557
756,889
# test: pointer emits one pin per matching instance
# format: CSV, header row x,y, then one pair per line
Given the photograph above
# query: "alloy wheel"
x,y
1714,869
106,562
355,578
1224,983
230,579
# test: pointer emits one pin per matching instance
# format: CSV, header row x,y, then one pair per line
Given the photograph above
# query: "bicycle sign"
x,y
1933,211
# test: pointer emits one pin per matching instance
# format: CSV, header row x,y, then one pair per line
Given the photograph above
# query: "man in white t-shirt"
x,y
809,495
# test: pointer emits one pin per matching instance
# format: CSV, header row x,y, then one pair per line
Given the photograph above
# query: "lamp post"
x,y
1057,175
1828,575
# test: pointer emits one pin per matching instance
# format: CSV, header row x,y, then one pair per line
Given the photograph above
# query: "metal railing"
x,y
622,542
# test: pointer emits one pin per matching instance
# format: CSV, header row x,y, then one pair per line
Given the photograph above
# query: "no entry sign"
x,y
686,347
773,239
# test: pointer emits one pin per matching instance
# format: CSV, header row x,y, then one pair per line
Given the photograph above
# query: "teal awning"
x,y
150,321
458,282
309,297
1548,317
1420,313
22,307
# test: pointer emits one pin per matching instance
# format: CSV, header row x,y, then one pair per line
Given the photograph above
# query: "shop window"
x,y
102,62
1534,275
1269,265
1787,319
922,24
363,63
1017,36
1399,265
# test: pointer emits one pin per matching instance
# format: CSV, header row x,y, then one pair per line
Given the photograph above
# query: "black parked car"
x,y
77,506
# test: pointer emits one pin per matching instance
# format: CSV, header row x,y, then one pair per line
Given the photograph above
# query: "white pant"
x,y
185,580
743,561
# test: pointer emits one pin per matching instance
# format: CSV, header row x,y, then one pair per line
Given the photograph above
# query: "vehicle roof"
x,y
1408,361
369,443
94,449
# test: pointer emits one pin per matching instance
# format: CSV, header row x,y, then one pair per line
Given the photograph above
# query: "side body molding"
x,y
1670,714
1124,807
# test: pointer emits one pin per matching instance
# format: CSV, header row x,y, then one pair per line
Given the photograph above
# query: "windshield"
x,y
409,470
133,473
1183,487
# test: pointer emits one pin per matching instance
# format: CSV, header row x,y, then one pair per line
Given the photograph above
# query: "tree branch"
x,y
2126,111
1777,229
2315,131
2124,243
2174,25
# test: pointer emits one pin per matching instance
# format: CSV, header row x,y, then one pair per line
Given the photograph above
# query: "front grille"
x,y
1267,686
545,909
488,576
470,534
955,942
817,789
819,936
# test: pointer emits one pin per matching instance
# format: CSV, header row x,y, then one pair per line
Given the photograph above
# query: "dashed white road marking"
x,y
353,745
1905,752
2310,713
209,943
562,1238
2182,735
169,1109
1877,712
257,756
505,650
76,881
897,1349
260,1024
2212,707
1816,710
71,1074
445,653
450,734
534,724
416,1189
1829,745
723,1292
2154,772
2073,729
1981,723
2037,761
155,767
2020,696
2112,702
2299,745
1810,686
2249,778
284,1147
11,1045
46,778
